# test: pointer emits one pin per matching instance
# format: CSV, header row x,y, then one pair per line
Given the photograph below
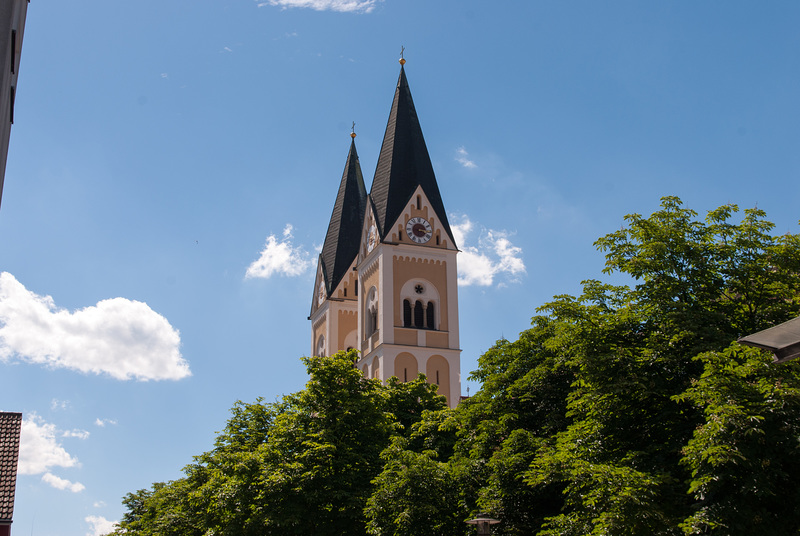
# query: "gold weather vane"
x,y
353,130
402,60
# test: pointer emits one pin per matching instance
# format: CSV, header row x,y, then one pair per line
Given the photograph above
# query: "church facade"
x,y
386,280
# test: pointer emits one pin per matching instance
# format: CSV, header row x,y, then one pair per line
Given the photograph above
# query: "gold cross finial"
x,y
402,60
353,131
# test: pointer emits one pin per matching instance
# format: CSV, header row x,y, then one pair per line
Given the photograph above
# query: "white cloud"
x,y
102,422
100,525
39,450
99,504
462,157
347,6
279,257
122,338
56,404
62,483
494,256
80,434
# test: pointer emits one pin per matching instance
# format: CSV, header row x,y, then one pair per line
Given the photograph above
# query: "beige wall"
x,y
406,336
438,369
437,339
347,286
406,268
318,329
348,321
405,367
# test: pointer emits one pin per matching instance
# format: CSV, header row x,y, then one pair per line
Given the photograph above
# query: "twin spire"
x,y
344,230
403,165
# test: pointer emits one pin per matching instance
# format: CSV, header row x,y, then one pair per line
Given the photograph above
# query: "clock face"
x,y
372,238
419,230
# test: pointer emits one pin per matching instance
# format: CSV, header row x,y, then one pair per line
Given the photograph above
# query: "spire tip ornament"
x,y
353,130
402,59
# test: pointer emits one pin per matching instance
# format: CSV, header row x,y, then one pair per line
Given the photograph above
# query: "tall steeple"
x,y
387,281
344,230
404,164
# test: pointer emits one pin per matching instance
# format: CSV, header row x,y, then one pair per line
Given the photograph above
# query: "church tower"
x,y
405,293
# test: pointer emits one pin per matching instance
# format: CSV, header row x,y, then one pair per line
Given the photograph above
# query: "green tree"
x,y
415,495
302,465
700,285
745,457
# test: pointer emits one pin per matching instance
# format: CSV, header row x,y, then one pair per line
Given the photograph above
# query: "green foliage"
x,y
624,411
416,495
700,286
303,465
744,458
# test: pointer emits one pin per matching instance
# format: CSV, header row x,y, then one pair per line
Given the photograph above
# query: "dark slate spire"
x,y
404,164
344,230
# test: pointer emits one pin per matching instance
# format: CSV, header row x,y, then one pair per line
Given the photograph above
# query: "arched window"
x,y
406,314
371,322
420,303
321,346
418,315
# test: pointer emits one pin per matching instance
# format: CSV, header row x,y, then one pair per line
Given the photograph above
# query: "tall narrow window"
x,y
11,106
437,239
437,377
429,316
345,292
13,50
406,314
419,204
419,315
371,321
405,374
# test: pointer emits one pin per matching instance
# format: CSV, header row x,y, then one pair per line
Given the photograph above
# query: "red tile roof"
x,y
10,425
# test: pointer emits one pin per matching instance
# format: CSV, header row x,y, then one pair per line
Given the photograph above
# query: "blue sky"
x,y
162,149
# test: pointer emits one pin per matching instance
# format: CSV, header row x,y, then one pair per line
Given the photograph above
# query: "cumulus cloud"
x,y
100,525
62,483
122,338
494,256
279,257
462,157
39,450
345,6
